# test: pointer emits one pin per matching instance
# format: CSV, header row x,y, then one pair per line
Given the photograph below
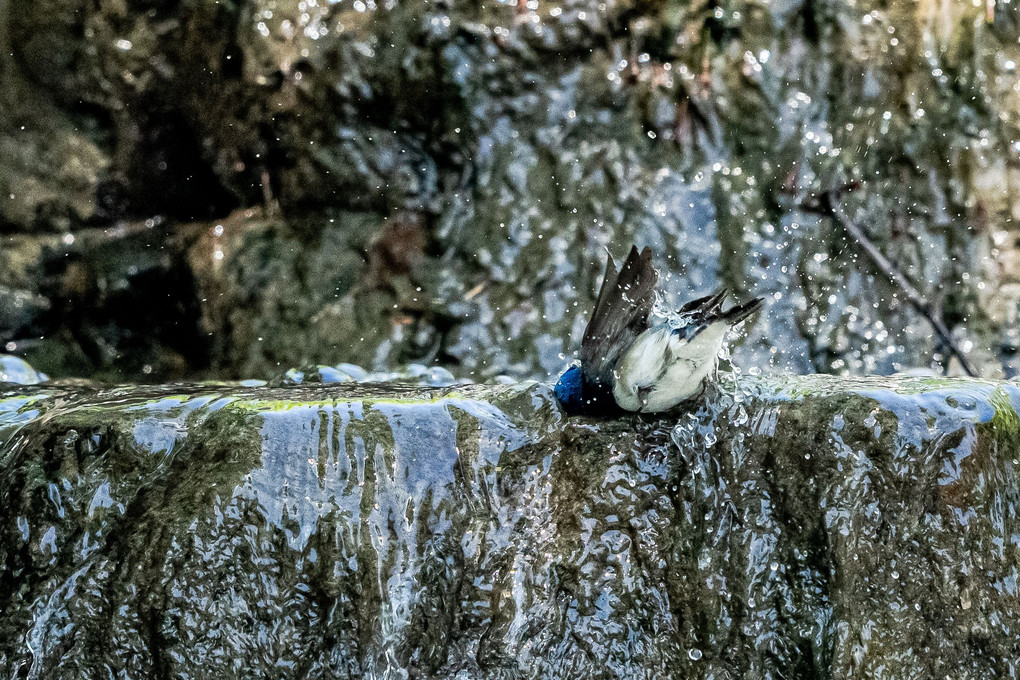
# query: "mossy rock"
x,y
807,527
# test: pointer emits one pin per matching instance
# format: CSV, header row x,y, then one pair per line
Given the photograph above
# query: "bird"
x,y
629,363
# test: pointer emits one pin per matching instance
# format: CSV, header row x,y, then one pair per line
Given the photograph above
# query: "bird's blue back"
x,y
579,397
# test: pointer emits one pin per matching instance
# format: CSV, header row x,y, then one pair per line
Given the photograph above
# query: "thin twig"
x,y
832,207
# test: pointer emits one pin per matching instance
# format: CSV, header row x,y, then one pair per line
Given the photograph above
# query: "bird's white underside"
x,y
645,383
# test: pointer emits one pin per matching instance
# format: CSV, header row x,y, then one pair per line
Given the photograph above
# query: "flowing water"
x,y
780,528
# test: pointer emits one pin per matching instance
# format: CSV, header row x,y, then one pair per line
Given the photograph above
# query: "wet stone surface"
x,y
777,528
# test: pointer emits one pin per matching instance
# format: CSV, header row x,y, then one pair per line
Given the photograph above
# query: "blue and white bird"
x,y
631,365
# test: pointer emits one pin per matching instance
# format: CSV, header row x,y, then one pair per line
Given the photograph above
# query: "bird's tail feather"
x,y
738,313
705,305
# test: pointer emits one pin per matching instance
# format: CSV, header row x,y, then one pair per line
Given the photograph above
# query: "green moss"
x,y
1006,419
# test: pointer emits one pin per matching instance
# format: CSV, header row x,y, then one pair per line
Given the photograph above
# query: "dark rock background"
x,y
226,189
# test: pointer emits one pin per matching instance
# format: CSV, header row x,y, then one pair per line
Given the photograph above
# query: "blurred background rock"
x,y
202,189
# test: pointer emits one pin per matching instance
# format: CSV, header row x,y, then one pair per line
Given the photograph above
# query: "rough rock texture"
x,y
805,528
378,182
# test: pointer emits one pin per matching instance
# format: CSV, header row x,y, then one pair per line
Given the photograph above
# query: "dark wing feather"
x,y
608,282
620,315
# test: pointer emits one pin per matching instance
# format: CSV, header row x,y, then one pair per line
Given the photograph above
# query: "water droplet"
x,y
694,653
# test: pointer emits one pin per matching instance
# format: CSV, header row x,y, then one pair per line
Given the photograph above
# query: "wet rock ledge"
x,y
810,527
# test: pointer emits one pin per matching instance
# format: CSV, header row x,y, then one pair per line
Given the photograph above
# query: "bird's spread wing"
x,y
620,315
